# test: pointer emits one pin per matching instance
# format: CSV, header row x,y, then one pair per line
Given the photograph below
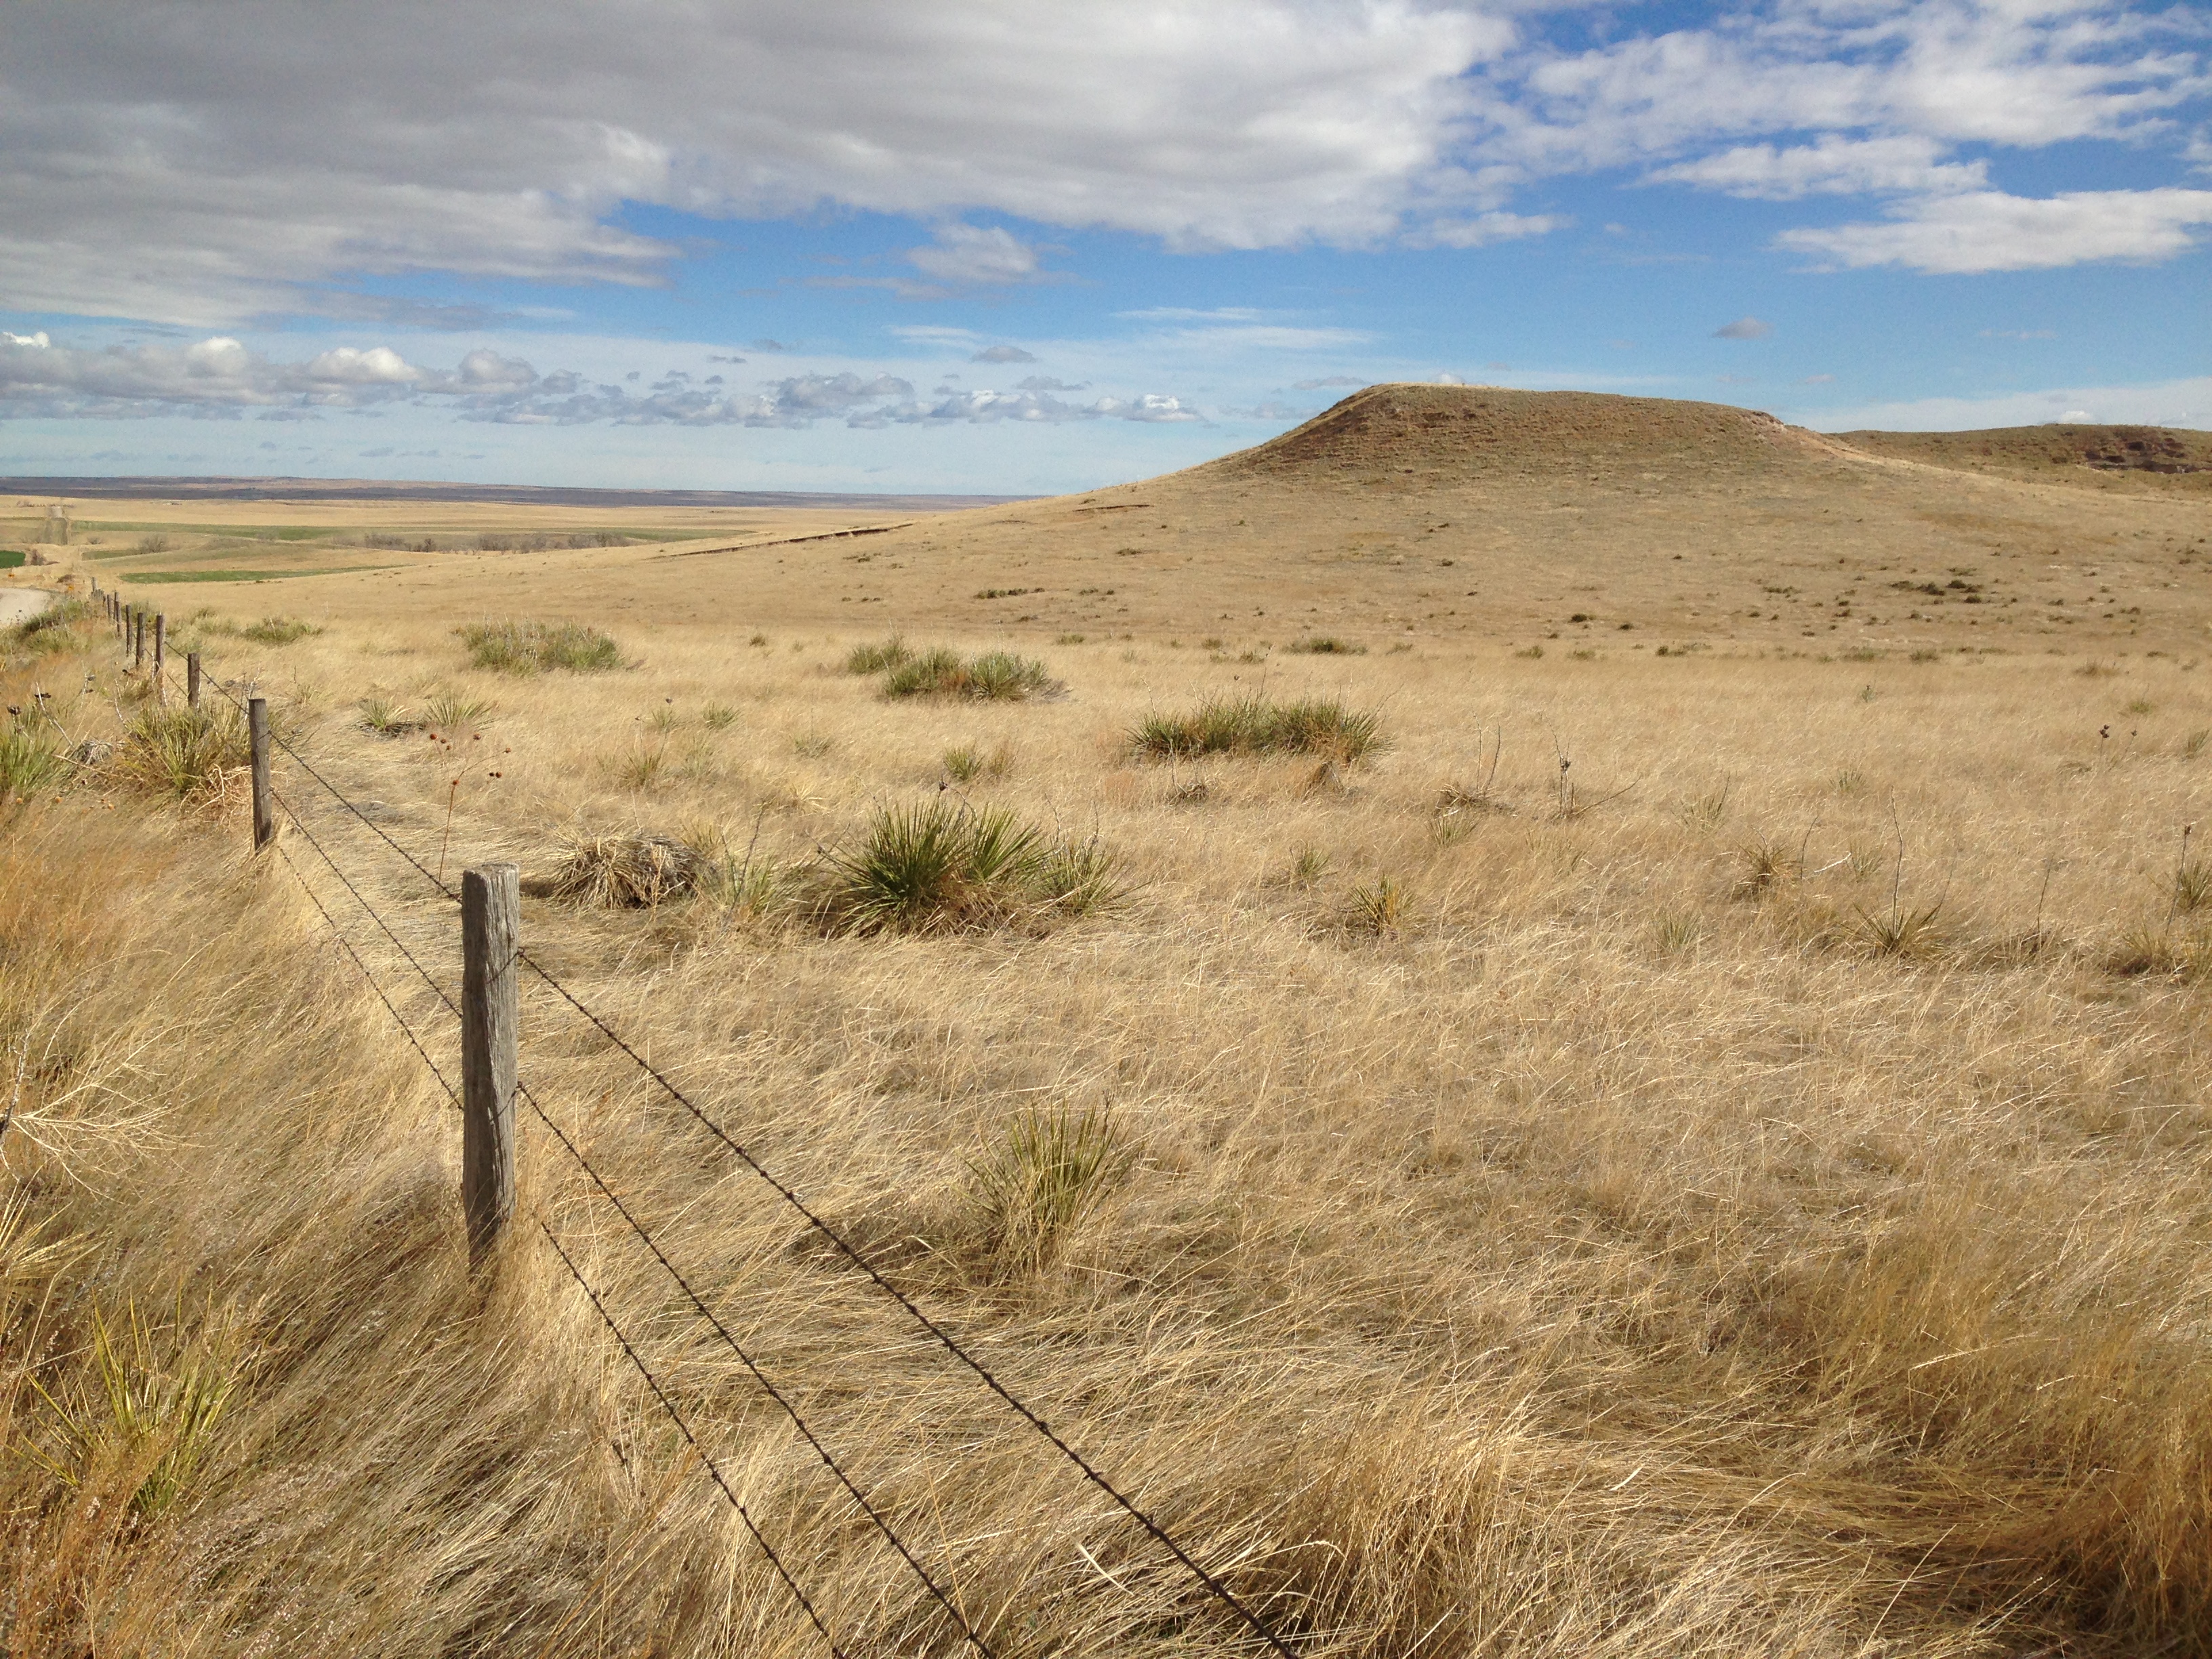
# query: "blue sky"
x,y
1009,247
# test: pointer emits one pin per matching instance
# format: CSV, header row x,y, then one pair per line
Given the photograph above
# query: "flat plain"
x,y
1690,1137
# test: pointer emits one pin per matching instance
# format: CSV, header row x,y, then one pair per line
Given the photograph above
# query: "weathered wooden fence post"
x,y
256,739
192,679
491,934
137,638
160,651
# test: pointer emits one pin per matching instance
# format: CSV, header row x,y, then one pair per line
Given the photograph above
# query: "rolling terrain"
x,y
1595,1048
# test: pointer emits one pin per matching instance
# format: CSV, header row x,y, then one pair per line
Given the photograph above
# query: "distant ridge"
x,y
361,490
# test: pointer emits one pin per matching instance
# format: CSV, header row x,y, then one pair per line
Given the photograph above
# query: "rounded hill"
x,y
1442,429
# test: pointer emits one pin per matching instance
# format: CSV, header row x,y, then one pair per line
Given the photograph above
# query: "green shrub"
x,y
873,659
277,630
1258,725
190,755
531,647
996,675
944,866
30,760
1048,1171
1326,645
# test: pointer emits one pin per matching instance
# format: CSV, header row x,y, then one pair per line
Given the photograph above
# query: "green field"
x,y
162,577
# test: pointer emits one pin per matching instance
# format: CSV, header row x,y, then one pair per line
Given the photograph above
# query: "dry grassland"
x,y
1705,1155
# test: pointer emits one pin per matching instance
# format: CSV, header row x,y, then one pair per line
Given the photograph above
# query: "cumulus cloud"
x,y
1002,354
1743,328
220,378
1989,230
1337,380
215,376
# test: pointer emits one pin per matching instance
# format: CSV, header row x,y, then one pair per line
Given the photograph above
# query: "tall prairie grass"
x,y
1502,1233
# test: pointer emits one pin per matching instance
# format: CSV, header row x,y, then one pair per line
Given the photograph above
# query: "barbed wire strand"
x,y
339,795
292,812
690,1440
1213,1585
1220,1591
398,1019
760,1376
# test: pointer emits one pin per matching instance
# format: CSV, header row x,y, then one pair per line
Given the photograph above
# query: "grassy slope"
x,y
1622,1255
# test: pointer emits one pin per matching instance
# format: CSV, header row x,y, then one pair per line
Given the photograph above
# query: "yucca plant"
x,y
1380,907
625,870
995,676
140,1403
1048,1171
30,760
875,659
1258,725
188,755
943,865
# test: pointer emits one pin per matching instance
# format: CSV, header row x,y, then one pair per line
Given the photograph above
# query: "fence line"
x,y
1211,1584
598,1304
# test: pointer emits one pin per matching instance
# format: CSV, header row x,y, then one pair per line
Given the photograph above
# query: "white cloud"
x,y
978,256
204,161
1002,354
1831,166
1743,328
1484,228
221,378
1989,230
217,375
199,161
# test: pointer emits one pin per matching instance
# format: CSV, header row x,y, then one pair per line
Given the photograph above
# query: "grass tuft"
x,y
30,760
193,756
945,867
531,648
1048,1171
1258,725
1326,645
877,659
994,677
279,630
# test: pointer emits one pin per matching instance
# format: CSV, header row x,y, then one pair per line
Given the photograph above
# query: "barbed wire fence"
x,y
491,1082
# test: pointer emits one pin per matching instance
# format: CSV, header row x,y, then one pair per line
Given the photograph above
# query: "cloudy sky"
x,y
1036,244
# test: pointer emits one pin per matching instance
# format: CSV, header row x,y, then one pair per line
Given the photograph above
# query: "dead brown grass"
x,y
1612,1250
